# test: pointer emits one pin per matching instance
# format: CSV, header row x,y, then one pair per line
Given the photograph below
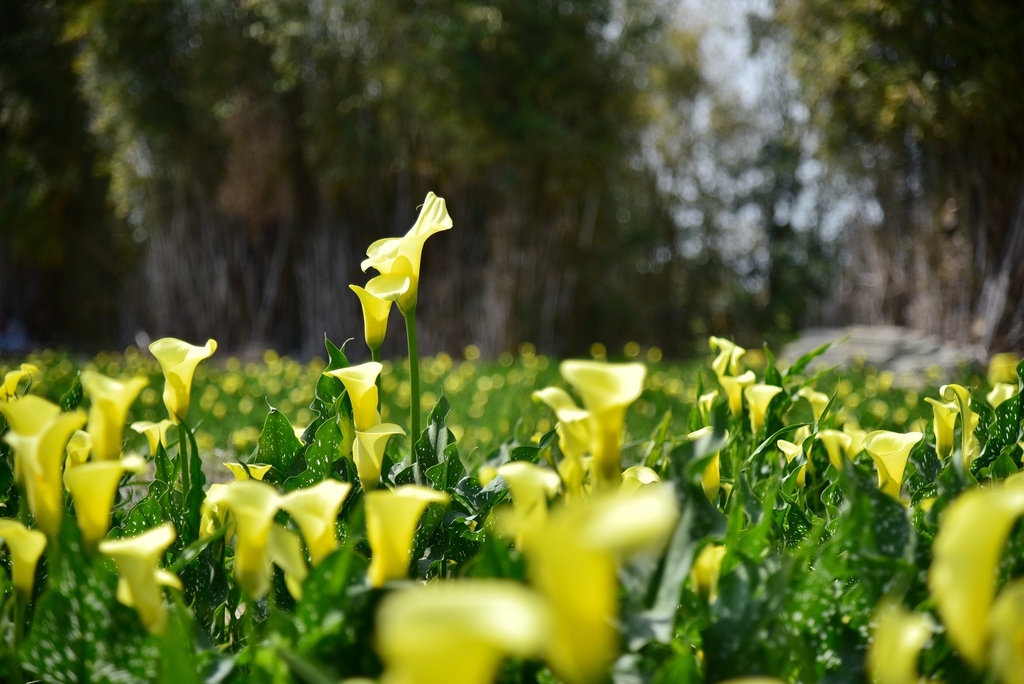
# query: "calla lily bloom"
x,y
361,384
837,445
253,505
179,360
638,476
458,632
961,396
792,451
943,422
1006,657
155,433
734,387
531,486
573,438
136,559
78,450
111,400
246,472
965,555
705,403
401,256
26,546
890,451
707,568
607,390
376,300
817,400
758,397
710,479
93,486
1000,392
391,520
572,562
39,433
368,452
315,509
857,437
727,362
1002,368
13,379
896,643
285,551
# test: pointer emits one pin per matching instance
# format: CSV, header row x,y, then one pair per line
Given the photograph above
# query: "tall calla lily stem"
x,y
414,389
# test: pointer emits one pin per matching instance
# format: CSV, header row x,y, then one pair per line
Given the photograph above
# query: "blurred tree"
x,y
924,98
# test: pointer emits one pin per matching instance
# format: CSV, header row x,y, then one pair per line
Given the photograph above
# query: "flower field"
x,y
169,515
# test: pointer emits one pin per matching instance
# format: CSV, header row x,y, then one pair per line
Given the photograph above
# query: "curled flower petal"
x,y
1006,625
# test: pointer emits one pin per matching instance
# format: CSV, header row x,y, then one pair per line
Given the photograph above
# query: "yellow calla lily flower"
x,y
961,396
727,362
857,437
315,509
78,450
136,559
13,379
707,568
572,562
155,433
179,360
943,421
111,400
254,471
39,433
391,520
817,400
361,384
637,477
1000,392
837,444
896,642
93,486
607,390
1002,368
368,452
791,451
285,551
531,486
401,256
734,387
1006,625
758,397
458,632
26,546
965,554
710,479
890,451
252,505
573,432
376,300
705,403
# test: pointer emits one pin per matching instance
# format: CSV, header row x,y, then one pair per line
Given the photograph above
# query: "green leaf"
x,y
277,445
72,399
801,363
432,446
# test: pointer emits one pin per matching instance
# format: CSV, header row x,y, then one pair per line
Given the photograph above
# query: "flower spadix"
x,y
25,546
972,532
531,486
572,562
758,398
368,452
39,433
458,632
137,561
315,509
890,451
607,390
178,360
391,520
111,400
401,256
361,384
896,643
93,486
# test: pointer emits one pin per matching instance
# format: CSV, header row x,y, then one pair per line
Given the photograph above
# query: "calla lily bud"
x,y
890,451
136,559
965,556
361,384
179,360
792,451
758,398
39,434
710,479
391,520
26,546
607,390
111,400
315,509
458,632
943,422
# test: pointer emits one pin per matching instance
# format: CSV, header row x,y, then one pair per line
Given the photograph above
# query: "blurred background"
x,y
617,170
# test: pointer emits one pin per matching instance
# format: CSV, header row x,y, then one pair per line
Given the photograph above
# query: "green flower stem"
x,y
375,356
414,389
